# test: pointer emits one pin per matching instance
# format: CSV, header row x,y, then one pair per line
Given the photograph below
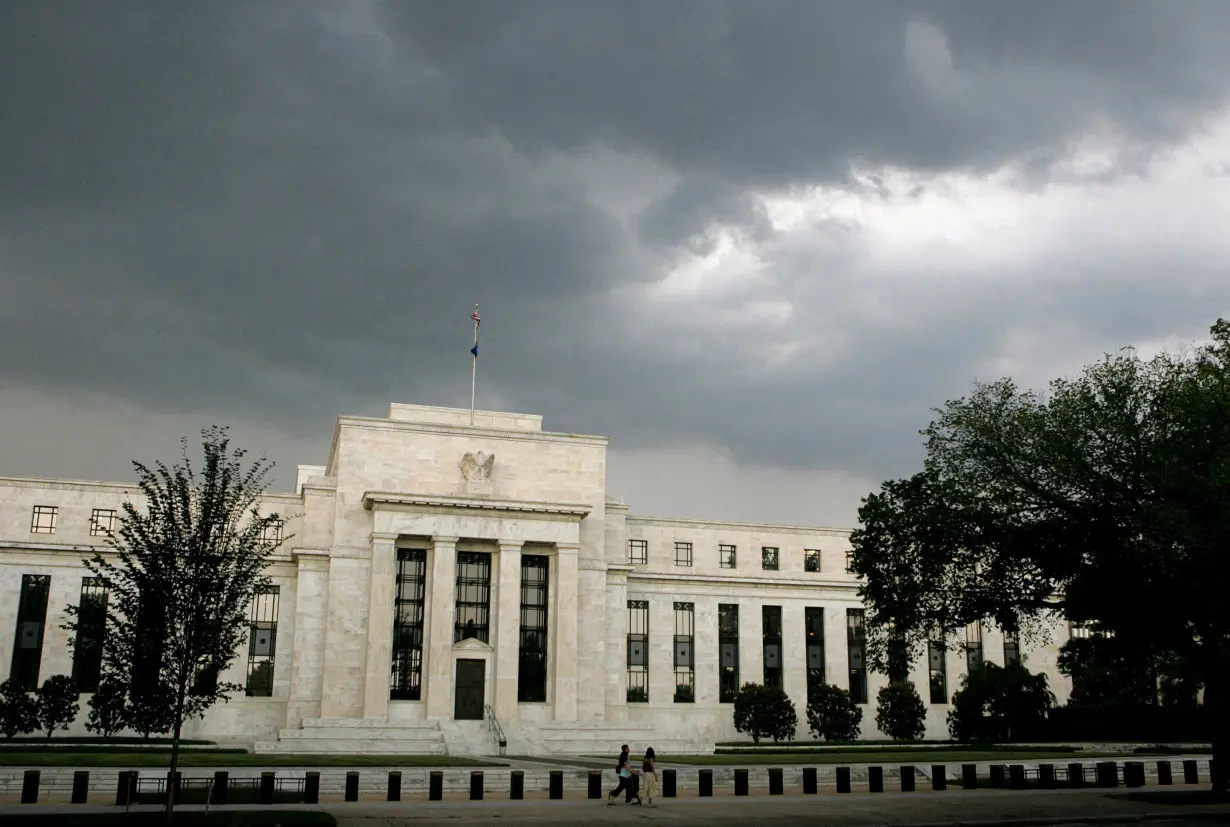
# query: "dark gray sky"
x,y
752,242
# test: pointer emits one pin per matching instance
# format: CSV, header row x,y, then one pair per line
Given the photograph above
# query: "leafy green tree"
x,y
999,703
1106,672
108,708
58,704
832,714
765,712
18,709
900,712
182,572
1103,500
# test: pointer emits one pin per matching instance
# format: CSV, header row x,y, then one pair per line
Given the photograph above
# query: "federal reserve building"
x,y
447,581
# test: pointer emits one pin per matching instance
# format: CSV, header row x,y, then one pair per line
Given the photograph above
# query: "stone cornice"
x,y
103,486
35,548
373,500
374,424
669,522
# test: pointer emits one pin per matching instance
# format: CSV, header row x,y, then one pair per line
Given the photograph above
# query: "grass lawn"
x,y
880,756
121,757
94,740
234,818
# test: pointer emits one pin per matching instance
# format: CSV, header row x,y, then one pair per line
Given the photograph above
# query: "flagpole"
x,y
474,367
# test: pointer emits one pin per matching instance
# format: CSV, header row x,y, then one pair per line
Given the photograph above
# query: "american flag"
x,y
474,316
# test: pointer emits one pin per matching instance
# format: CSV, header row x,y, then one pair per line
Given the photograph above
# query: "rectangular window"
x,y
856,644
28,642
768,558
638,552
473,618
813,623
1078,629
771,629
91,628
1012,648
685,667
683,554
728,646
811,559
272,532
726,557
532,662
262,642
102,522
973,646
408,608
43,520
638,651
937,667
849,561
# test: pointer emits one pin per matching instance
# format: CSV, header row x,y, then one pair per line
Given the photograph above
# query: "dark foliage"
x,y
58,704
833,715
900,713
765,712
999,703
18,710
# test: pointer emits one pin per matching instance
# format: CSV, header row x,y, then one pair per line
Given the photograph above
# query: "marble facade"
x,y
424,478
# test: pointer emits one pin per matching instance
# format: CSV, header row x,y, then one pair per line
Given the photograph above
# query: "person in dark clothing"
x,y
626,779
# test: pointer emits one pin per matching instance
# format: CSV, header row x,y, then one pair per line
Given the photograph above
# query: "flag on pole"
x,y
477,321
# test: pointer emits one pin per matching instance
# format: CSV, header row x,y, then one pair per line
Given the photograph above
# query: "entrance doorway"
x,y
468,690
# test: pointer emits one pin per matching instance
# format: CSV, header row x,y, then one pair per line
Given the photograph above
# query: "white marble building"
x,y
440,582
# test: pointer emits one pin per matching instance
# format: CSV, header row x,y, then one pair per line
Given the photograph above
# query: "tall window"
x,y
768,558
272,532
91,628
262,642
43,519
407,667
811,559
813,624
728,645
638,651
683,554
937,665
532,664
31,617
856,644
102,522
685,639
1012,648
973,646
771,628
638,552
473,618
849,561
726,557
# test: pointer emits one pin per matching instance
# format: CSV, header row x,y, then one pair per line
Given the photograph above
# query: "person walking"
x,y
623,774
649,769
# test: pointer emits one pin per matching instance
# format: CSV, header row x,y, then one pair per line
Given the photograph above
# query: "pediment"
x,y
472,644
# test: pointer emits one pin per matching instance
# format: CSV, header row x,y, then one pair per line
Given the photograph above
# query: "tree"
x,y
1106,672
900,712
765,712
832,714
108,708
999,703
1103,500
182,573
18,709
57,704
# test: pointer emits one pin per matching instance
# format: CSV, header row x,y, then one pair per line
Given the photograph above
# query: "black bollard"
x,y
557,784
1191,773
875,779
123,789
221,790
435,786
1076,775
998,776
516,786
1016,776
969,776
29,787
595,784
1107,774
907,779
476,785
776,787
939,777
81,786
705,784
1164,776
394,786
311,788
352,786
1133,773
268,785
810,787
740,782
668,783
1046,776
843,779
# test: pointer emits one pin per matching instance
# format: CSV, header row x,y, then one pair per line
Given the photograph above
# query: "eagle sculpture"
x,y
477,466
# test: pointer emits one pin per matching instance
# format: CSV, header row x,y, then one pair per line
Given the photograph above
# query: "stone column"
x,y
564,669
380,597
508,632
307,667
441,586
794,655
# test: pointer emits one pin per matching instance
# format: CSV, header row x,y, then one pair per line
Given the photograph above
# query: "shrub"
x,y
57,704
108,708
833,715
150,710
998,703
18,709
900,712
765,712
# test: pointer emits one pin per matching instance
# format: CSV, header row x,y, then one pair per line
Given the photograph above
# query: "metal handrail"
x,y
493,723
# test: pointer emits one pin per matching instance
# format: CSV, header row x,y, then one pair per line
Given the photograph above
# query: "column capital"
x,y
384,537
443,540
509,545
568,548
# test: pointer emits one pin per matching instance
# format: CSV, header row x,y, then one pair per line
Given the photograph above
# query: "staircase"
x,y
357,736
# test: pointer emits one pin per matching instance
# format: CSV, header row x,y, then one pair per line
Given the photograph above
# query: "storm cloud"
x,y
753,243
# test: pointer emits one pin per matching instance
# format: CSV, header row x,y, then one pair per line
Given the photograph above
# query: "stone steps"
x,y
357,737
